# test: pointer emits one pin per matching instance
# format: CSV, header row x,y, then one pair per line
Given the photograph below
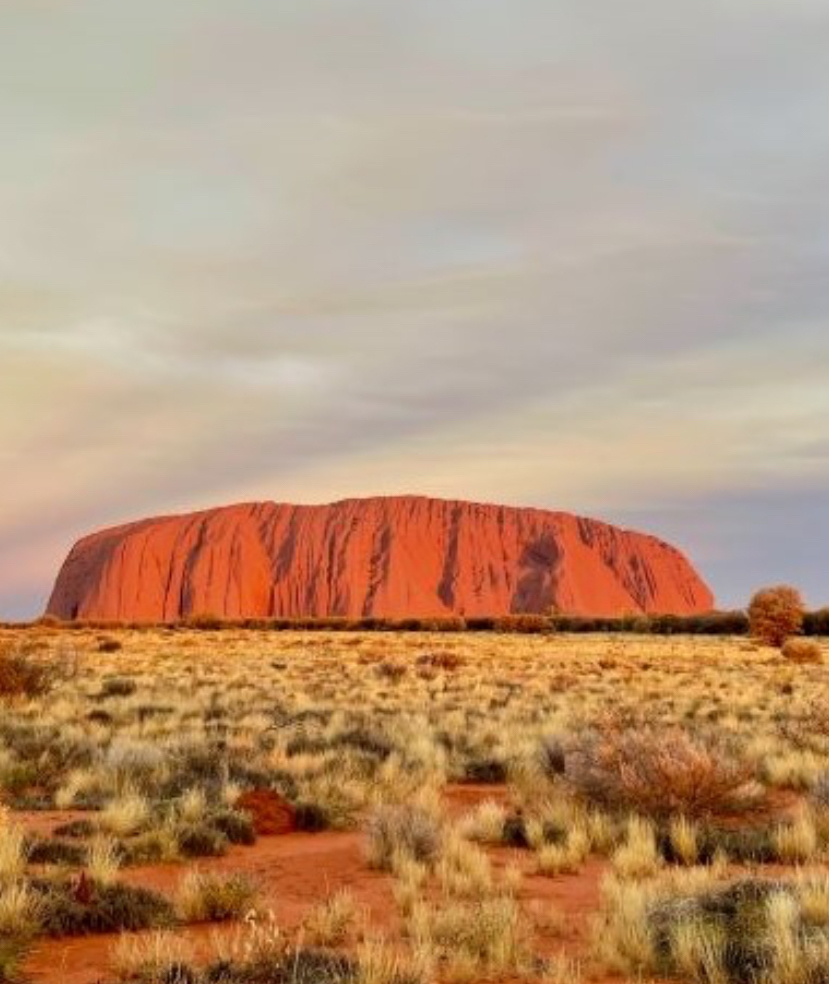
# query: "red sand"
x,y
298,871
384,557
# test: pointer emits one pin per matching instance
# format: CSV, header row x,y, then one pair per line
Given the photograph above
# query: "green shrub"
x,y
75,828
201,840
61,852
816,623
312,818
67,909
236,826
12,952
206,622
515,831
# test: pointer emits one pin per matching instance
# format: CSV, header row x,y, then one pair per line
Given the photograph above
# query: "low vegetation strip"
x,y
728,623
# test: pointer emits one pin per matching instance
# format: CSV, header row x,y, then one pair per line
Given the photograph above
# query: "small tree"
x,y
775,614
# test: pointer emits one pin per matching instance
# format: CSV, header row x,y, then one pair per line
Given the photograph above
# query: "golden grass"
x,y
173,725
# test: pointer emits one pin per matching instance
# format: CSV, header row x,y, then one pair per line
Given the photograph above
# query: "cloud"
x,y
515,251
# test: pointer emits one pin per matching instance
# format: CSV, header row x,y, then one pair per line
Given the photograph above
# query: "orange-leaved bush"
x,y
775,614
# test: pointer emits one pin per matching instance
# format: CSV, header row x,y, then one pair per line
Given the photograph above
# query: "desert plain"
x,y
249,806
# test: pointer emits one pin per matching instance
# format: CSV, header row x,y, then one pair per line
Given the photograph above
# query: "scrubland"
x,y
469,807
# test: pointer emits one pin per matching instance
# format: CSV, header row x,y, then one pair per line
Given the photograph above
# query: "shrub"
x,y
659,772
12,952
24,675
408,831
817,623
75,828
776,613
525,623
117,687
445,660
487,771
59,852
802,651
485,823
201,840
206,622
514,832
312,818
235,825
151,847
78,908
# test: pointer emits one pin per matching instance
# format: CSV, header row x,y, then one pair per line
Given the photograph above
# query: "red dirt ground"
x,y
297,871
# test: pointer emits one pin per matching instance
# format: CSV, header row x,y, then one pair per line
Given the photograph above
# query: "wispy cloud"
x,y
525,251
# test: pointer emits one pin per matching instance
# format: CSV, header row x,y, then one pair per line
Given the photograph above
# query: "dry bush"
x,y
808,727
445,660
524,622
25,675
659,772
775,614
402,831
802,651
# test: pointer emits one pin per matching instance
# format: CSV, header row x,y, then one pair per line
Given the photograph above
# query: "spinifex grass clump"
x,y
402,831
751,931
211,898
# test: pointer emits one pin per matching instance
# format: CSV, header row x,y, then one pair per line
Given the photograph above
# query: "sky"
x,y
562,253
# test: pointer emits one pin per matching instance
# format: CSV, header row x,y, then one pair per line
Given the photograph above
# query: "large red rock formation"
x,y
388,557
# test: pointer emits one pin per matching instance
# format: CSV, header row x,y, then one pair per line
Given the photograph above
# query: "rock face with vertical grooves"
x,y
386,557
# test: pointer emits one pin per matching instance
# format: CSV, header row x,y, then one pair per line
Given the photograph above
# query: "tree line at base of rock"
x,y
731,623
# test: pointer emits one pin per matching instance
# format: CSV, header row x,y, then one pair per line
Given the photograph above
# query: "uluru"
x,y
389,557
